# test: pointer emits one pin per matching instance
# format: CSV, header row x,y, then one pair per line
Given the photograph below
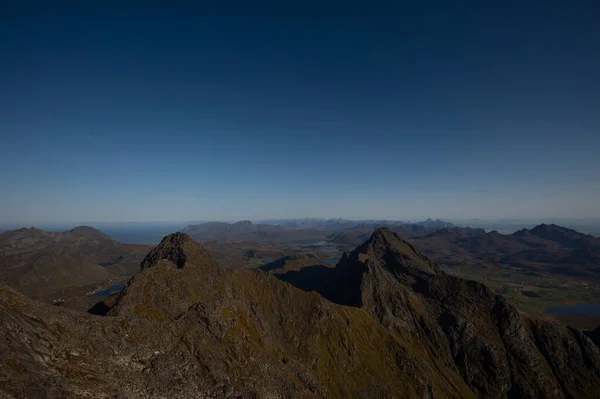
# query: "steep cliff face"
x,y
498,353
184,327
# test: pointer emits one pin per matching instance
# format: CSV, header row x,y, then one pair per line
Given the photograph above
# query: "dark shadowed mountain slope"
x,y
292,262
499,354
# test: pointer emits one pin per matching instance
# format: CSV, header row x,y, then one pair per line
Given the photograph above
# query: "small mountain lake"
x,y
579,309
110,290
329,249
331,261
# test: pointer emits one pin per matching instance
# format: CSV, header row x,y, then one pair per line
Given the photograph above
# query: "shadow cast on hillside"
x,y
309,278
336,285
99,309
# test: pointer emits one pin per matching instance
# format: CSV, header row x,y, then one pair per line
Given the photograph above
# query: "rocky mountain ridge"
x,y
498,353
395,326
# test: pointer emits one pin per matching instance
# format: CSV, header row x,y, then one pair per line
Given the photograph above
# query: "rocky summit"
x,y
384,323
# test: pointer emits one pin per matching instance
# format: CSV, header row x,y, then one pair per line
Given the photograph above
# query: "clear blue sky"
x,y
445,109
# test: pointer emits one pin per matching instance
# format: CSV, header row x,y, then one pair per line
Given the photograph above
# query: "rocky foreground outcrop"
x,y
393,326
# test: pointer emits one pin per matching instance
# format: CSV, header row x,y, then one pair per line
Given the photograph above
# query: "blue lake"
x,y
328,249
110,290
331,261
579,309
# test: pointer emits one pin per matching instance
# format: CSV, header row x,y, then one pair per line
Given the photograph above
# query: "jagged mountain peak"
x,y
387,248
243,223
498,353
437,223
544,228
494,233
522,233
548,227
178,248
176,274
241,227
384,236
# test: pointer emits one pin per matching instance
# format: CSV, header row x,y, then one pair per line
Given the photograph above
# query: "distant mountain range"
x,y
37,262
385,322
547,248
346,224
566,238
217,230
305,231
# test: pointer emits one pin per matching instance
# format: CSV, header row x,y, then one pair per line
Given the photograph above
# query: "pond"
x,y
329,249
579,309
110,290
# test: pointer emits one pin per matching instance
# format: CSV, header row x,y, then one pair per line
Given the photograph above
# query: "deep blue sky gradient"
x,y
356,110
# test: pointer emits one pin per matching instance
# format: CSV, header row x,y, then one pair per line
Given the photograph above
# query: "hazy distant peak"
x,y
23,236
242,225
87,231
522,233
217,230
565,237
545,229
26,230
435,223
